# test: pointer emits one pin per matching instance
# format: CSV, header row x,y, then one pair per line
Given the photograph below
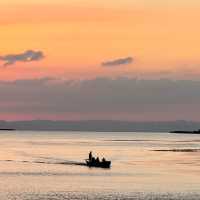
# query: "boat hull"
x,y
105,164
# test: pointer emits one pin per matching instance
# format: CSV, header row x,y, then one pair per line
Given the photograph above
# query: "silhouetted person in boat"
x,y
90,156
97,159
93,159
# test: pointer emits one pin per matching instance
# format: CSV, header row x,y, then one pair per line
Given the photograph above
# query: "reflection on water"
x,y
100,196
42,165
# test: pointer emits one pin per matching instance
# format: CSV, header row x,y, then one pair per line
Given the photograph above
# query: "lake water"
x,y
31,166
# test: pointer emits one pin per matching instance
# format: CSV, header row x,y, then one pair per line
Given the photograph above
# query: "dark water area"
x,y
50,165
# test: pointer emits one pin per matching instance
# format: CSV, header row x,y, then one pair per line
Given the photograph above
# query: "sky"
x,y
76,47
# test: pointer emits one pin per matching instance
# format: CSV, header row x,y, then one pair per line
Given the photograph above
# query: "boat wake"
x,y
63,162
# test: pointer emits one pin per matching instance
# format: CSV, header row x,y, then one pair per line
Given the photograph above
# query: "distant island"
x,y
101,126
7,129
187,132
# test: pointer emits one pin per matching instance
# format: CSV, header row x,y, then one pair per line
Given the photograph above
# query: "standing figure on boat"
x,y
90,155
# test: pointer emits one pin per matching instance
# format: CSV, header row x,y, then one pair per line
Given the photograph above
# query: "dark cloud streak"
x,y
117,62
27,56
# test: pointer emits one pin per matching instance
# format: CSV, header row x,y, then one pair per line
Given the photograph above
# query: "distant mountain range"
x,y
100,125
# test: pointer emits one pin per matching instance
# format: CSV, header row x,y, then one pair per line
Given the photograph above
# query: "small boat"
x,y
101,164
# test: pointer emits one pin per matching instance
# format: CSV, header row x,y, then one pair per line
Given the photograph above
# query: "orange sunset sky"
x,y
77,36
80,59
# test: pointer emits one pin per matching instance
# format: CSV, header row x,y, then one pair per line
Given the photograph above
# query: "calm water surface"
x,y
31,166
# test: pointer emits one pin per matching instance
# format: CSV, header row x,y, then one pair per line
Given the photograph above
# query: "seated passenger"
x,y
93,159
97,159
